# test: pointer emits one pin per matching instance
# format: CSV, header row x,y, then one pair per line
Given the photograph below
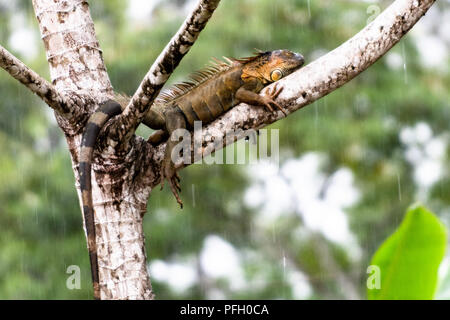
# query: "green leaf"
x,y
409,259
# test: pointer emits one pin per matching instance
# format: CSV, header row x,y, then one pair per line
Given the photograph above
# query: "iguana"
x,y
208,94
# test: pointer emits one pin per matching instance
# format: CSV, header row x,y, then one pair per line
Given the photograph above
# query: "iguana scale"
x,y
208,94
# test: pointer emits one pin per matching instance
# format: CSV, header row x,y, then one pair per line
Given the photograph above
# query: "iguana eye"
x,y
276,75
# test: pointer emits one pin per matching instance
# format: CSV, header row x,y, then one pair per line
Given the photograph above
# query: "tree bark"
x,y
77,68
123,177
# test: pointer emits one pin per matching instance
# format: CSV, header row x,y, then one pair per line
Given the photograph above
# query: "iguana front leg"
x,y
174,120
252,98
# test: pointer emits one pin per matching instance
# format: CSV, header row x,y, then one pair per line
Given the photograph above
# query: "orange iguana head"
x,y
271,66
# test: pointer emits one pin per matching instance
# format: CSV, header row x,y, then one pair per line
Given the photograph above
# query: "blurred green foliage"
x,y
409,259
357,127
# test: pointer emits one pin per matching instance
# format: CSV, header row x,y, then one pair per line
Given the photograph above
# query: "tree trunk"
x,y
77,68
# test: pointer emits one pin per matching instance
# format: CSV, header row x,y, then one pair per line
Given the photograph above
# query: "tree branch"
x,y
317,79
163,67
38,85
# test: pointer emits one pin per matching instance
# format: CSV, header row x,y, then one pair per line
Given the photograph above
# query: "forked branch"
x,y
163,67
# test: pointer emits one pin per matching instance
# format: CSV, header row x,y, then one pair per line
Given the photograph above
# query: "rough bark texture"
x,y
123,177
38,85
77,68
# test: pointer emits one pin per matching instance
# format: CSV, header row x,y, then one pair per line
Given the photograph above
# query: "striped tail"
x,y
106,111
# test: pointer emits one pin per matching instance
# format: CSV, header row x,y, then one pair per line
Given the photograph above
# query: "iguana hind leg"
x,y
174,120
157,137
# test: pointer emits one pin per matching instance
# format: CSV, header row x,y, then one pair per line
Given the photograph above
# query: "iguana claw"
x,y
272,94
169,172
